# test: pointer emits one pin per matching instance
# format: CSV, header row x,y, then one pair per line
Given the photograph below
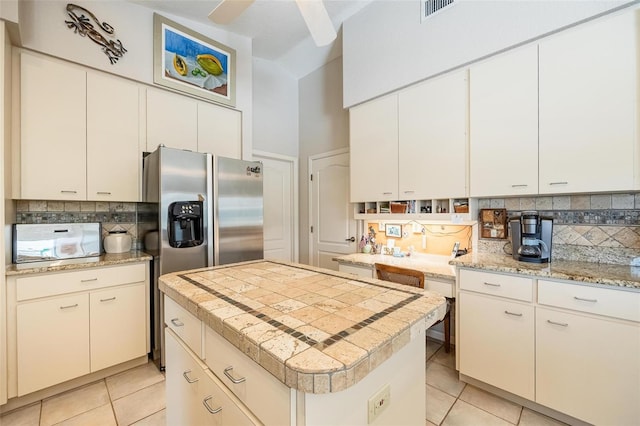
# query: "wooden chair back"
x,y
400,275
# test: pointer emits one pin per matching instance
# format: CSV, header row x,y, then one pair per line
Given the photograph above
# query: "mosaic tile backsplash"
x,y
602,228
135,218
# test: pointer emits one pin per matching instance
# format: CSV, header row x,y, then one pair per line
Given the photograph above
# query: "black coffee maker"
x,y
531,237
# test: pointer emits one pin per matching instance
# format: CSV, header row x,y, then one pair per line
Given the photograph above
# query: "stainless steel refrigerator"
x,y
210,212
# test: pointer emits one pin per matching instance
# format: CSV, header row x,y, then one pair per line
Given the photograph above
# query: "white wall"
x,y
386,47
324,126
275,109
43,29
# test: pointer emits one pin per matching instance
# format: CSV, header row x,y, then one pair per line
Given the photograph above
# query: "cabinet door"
x,y
497,342
373,140
219,131
433,139
113,161
172,120
118,315
587,367
53,341
503,117
588,84
52,129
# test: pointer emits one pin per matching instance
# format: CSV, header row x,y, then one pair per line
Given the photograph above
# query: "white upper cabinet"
x,y
433,138
219,131
52,129
588,111
503,116
172,120
113,161
373,137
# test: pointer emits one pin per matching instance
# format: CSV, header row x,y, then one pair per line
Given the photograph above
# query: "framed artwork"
x,y
393,230
192,63
493,223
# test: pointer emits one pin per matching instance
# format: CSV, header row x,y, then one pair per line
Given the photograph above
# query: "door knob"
x,y
352,239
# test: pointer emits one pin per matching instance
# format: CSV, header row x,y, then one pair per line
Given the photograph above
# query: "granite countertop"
x,y
433,266
314,329
74,264
587,272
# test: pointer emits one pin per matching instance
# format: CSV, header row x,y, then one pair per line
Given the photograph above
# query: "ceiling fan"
x,y
313,11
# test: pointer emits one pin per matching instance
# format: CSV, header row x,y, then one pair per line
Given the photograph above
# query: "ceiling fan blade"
x,y
228,10
318,21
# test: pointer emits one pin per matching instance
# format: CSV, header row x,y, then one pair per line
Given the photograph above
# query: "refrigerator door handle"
x,y
209,212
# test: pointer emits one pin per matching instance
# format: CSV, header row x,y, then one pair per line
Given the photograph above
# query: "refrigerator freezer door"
x,y
238,221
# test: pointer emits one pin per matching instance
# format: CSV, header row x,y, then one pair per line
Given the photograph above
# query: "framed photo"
x,y
493,223
393,230
192,63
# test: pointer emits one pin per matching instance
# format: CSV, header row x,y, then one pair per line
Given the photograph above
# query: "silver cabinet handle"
x,y
409,191
387,193
103,193
205,402
585,300
561,324
187,378
68,192
69,306
88,280
558,183
492,284
519,185
177,322
233,379
109,299
513,313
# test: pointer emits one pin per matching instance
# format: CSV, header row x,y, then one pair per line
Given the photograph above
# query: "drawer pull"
x,y
177,322
68,192
585,300
205,402
109,299
89,280
233,379
387,193
558,183
491,284
561,324
103,193
519,185
513,313
187,378
75,305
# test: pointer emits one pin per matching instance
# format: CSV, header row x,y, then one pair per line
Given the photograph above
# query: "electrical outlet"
x,y
379,402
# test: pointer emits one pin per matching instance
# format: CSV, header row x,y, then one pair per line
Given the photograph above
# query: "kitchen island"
x,y
329,346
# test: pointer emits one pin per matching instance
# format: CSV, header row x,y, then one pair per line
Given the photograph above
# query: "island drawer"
x,y
55,283
440,287
263,394
512,287
184,324
595,300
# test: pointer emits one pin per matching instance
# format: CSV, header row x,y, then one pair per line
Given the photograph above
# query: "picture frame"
x,y
393,230
189,62
493,223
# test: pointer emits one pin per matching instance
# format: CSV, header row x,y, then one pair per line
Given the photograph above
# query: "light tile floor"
x,y
137,397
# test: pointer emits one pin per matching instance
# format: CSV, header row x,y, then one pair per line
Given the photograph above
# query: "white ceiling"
x,y
275,26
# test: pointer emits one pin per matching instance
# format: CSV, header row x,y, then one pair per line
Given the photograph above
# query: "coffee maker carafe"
x,y
531,237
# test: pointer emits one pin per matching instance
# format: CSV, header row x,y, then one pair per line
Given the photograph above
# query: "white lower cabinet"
x,y
588,367
496,345
361,271
52,341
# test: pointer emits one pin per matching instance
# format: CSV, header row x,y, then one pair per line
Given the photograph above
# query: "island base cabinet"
x,y
194,395
52,341
588,368
497,342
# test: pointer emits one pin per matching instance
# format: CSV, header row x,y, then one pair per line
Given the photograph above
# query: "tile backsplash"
x,y
589,227
136,218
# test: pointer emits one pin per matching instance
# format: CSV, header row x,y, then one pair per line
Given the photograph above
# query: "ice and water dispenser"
x,y
186,224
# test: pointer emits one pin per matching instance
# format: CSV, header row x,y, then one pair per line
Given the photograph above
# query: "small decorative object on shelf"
x,y
493,223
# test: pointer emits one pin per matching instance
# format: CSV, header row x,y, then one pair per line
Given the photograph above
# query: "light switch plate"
x,y
379,402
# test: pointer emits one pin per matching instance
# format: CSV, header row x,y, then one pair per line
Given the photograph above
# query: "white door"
x,y
331,215
280,206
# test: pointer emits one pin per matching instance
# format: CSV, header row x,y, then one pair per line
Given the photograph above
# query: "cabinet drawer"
x,y
184,324
602,301
262,393
518,288
32,287
440,287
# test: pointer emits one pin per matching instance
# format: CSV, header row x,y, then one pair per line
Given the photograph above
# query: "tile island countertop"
x,y
433,266
305,325
623,276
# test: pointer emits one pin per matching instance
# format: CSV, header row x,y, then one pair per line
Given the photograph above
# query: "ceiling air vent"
x,y
431,7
